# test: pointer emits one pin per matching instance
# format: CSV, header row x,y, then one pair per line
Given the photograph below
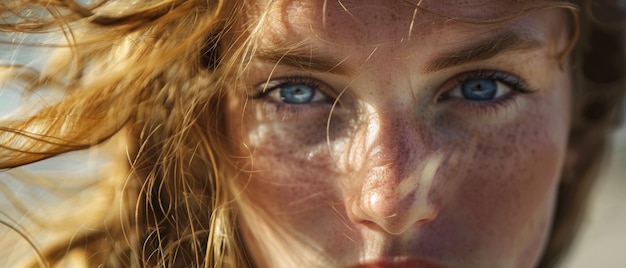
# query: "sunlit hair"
x,y
151,76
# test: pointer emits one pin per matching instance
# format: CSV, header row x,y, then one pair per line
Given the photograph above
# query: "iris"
x,y
479,90
296,93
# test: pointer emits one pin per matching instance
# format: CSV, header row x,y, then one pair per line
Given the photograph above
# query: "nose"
x,y
393,186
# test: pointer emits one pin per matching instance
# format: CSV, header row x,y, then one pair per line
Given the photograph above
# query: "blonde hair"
x,y
136,66
152,75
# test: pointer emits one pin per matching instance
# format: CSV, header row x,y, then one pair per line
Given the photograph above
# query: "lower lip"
x,y
404,263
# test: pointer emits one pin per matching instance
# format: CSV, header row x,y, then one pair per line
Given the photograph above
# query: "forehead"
x,y
376,21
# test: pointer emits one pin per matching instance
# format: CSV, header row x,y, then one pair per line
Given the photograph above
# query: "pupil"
x,y
479,89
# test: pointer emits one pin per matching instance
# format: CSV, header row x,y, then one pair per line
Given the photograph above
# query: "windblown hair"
x,y
152,75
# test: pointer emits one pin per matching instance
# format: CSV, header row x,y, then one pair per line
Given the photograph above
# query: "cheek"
x,y
288,171
290,191
505,187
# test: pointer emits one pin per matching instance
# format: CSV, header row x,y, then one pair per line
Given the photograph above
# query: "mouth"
x,y
398,263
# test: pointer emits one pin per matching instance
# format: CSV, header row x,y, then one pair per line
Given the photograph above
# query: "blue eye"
x,y
479,90
296,93
301,99
485,86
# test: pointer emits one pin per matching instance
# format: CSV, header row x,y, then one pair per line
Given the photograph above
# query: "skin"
x,y
403,171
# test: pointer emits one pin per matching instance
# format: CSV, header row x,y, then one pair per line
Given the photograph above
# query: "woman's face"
x,y
372,134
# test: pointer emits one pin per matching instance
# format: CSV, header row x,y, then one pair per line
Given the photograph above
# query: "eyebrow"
x,y
299,58
306,60
482,50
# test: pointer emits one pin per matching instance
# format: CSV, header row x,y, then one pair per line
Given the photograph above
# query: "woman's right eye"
x,y
294,91
299,98
296,94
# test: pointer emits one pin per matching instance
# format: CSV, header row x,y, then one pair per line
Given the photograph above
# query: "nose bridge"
x,y
390,144
393,181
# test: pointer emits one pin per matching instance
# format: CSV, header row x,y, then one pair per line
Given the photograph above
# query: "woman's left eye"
x,y
480,90
485,86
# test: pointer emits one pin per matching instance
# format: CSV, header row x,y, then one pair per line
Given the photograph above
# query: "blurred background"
x,y
602,241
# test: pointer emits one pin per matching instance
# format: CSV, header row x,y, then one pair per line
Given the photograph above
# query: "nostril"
x,y
394,225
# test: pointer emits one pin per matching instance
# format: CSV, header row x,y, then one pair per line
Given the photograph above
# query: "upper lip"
x,y
398,262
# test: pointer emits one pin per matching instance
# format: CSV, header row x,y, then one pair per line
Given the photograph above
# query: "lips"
x,y
398,263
